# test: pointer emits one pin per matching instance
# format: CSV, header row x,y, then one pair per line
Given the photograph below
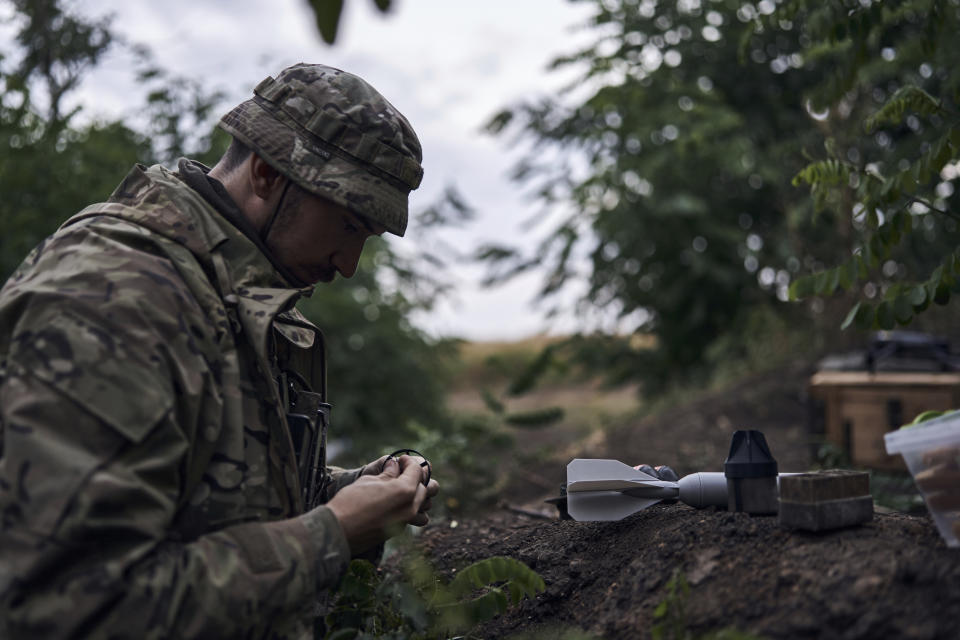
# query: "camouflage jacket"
x,y
148,486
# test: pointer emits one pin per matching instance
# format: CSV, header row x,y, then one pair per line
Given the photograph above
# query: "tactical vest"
x,y
290,357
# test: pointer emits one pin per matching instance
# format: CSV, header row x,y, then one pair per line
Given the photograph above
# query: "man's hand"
x,y
663,472
374,468
376,506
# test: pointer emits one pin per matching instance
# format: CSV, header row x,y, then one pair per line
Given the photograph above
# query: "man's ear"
x,y
264,179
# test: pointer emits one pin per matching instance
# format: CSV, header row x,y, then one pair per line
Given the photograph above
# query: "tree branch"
x,y
914,199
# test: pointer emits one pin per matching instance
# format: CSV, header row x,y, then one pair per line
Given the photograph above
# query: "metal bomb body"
x,y
599,489
604,490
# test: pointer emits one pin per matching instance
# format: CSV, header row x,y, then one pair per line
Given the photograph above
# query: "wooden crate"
x,y
860,407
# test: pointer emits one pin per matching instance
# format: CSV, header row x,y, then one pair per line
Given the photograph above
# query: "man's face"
x,y
316,238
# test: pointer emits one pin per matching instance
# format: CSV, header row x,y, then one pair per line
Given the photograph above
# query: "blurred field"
x,y
688,428
493,365
533,466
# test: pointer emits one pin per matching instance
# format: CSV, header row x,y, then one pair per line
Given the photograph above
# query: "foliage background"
x,y
672,177
673,160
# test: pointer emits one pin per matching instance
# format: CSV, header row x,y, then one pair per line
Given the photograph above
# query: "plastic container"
x,y
931,450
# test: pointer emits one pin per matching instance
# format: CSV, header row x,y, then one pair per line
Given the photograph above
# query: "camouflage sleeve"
x,y
95,560
94,444
337,479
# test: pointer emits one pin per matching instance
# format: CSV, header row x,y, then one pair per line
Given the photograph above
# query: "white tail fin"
x,y
591,506
594,489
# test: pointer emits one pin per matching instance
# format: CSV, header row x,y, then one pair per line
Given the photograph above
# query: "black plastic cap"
x,y
749,457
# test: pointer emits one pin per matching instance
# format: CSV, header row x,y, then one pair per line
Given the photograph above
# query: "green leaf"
x,y
535,418
931,286
937,276
487,606
902,222
661,610
492,403
865,317
942,294
830,172
327,13
867,257
863,269
802,287
891,188
848,274
822,283
885,316
916,172
954,137
902,309
834,280
881,251
532,373
851,315
496,569
844,276
907,99
918,296
942,155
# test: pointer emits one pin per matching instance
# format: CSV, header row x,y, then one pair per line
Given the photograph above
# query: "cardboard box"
x,y
860,407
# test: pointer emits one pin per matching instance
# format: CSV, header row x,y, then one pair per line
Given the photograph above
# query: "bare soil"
x,y
892,577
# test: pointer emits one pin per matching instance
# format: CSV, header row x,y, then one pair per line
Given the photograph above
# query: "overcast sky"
x,y
447,65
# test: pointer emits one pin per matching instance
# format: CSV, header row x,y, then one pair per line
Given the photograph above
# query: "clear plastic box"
x,y
931,450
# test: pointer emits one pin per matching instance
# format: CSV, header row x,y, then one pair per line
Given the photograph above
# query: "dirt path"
x,y
891,578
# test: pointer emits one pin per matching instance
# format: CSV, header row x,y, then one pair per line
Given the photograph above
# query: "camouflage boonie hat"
x,y
337,137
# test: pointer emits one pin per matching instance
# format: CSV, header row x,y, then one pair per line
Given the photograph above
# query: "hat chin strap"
x,y
265,230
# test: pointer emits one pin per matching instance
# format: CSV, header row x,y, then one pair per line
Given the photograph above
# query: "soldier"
x,y
162,403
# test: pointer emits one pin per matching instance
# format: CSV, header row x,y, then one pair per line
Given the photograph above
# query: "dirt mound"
x,y
892,577
694,434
